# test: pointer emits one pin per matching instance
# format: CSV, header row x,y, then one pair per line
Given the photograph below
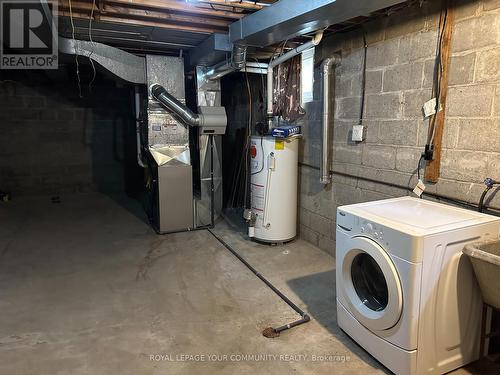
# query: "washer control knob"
x,y
369,227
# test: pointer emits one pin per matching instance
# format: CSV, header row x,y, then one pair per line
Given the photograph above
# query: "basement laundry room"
x,y
250,187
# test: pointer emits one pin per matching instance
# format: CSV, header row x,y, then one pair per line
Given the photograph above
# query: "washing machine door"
x,y
371,285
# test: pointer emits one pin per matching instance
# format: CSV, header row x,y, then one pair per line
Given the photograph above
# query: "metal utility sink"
x,y
485,257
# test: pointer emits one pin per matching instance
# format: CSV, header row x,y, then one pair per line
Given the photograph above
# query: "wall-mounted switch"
x,y
357,133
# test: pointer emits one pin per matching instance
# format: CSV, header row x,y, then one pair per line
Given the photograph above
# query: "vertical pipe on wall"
x,y
326,67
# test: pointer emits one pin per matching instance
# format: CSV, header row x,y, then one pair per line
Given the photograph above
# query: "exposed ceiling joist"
x,y
180,7
151,15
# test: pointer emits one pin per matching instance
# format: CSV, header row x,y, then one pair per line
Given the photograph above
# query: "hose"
x,y
489,185
269,332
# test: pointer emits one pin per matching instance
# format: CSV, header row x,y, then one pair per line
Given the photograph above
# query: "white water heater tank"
x,y
273,186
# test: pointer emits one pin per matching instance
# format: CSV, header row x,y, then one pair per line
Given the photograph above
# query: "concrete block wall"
x,y
400,62
55,142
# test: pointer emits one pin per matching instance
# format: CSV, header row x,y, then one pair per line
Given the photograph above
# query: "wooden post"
x,y
446,22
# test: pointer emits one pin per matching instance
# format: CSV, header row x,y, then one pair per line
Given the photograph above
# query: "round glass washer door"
x,y
371,285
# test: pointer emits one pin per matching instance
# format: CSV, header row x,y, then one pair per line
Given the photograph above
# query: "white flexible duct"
x,y
294,52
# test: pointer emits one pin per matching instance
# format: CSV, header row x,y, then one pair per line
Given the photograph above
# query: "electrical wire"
x,y
76,54
91,41
419,166
363,81
438,71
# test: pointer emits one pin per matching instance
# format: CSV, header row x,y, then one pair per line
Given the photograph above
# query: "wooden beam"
x,y
128,21
446,21
206,21
136,13
162,25
231,4
180,7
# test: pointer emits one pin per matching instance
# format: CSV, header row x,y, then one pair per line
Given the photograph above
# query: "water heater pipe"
x,y
294,52
326,67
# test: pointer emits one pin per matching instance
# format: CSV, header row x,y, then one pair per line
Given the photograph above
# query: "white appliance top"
x,y
417,216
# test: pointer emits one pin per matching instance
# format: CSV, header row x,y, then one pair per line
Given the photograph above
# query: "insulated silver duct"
x,y
175,107
326,67
238,57
238,61
210,120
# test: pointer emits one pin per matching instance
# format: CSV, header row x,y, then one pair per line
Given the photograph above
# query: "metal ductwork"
x,y
238,61
210,120
175,107
287,19
122,64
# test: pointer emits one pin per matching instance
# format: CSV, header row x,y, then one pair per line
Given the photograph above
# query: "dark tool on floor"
x,y
269,332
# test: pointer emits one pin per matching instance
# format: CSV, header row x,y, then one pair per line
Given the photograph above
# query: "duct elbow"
x,y
239,57
317,37
175,107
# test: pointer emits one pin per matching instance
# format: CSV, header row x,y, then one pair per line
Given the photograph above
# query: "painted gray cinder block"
x,y
479,134
401,77
470,101
407,159
494,166
488,65
462,69
476,32
398,132
464,165
348,108
382,54
413,102
373,81
379,156
491,4
321,224
417,46
383,105
496,99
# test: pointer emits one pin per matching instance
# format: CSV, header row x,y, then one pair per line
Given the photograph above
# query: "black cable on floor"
x,y
268,332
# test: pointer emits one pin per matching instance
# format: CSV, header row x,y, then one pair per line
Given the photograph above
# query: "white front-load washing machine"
x,y
405,292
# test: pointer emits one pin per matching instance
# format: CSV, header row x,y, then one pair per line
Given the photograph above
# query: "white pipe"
x,y
137,97
326,66
294,52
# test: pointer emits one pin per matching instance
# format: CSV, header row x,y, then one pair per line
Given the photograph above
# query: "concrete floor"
x,y
87,288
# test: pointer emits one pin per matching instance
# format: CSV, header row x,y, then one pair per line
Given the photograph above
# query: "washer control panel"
x,y
372,230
